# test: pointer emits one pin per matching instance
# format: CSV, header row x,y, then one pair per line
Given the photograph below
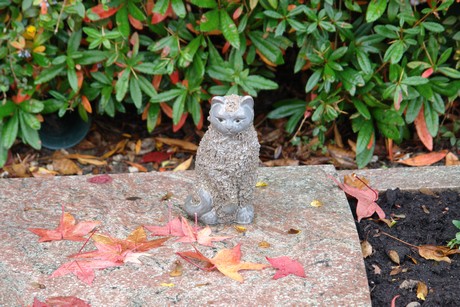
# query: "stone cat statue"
x,y
226,164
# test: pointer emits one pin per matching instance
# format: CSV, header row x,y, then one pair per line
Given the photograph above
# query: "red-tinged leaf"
x,y
195,258
66,230
199,126
422,130
366,205
86,104
393,301
286,266
202,236
157,17
166,109
135,23
181,122
174,77
397,103
66,301
79,79
173,228
100,179
425,159
237,13
38,303
156,83
155,157
99,11
427,72
44,7
226,47
83,269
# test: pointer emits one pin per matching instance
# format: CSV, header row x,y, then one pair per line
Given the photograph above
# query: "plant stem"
x,y
394,238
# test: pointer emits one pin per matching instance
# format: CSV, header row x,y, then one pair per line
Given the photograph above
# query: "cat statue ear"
x,y
247,101
218,99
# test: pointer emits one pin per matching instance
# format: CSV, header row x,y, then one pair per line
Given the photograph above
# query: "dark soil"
x,y
422,218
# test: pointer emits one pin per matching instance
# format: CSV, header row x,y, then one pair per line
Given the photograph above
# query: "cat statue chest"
x,y
226,164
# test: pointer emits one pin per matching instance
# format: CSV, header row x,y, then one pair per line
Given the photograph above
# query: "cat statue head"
x,y
231,114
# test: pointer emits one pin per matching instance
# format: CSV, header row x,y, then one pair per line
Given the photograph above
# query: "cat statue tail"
x,y
203,210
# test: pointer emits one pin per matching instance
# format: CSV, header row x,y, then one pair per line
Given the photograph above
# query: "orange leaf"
x,y
135,23
177,142
86,104
438,253
452,159
80,79
166,109
181,122
66,167
422,130
425,159
138,166
184,165
156,81
99,11
265,60
427,72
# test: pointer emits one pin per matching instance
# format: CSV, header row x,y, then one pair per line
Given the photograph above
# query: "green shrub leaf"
x,y
10,131
135,92
313,80
121,87
229,30
207,4
49,73
375,9
178,8
433,26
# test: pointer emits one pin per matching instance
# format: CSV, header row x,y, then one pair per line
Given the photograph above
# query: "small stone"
x,y
413,304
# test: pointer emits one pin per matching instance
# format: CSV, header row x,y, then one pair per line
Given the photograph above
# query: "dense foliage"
x,y
381,64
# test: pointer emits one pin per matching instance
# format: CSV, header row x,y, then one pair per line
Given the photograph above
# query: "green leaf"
x,y
266,46
259,82
135,92
364,62
207,4
433,26
90,57
149,68
7,108
431,119
273,3
338,53
146,86
161,6
293,122
220,73
49,73
178,106
29,134
362,108
167,95
273,14
287,108
416,80
152,116
365,135
74,42
229,29
10,131
412,110
449,72
3,150
121,87
394,53
73,79
135,11
375,10
210,21
32,106
123,21
179,8
313,80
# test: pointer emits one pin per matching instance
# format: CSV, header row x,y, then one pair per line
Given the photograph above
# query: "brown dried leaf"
x,y
66,167
394,256
366,248
167,196
425,209
438,253
20,170
422,290
180,143
281,162
264,244
92,162
42,172
293,231
352,180
341,157
240,229
377,269
427,191
140,167
177,269
395,270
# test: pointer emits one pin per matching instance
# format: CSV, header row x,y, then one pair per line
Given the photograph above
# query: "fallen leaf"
x,y
408,284
260,184
19,170
393,301
316,203
227,261
425,209
184,165
293,231
390,223
281,162
377,269
100,179
120,147
84,269
177,269
180,143
427,191
341,157
41,172
139,167
425,159
352,180
95,162
366,248
264,244
422,290
66,230
438,253
396,270
167,196
169,285
66,167
240,229
172,228
155,157
366,205
61,301
394,256
452,159
286,266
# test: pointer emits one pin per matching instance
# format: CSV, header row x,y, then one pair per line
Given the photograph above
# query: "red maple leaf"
x,y
66,230
61,301
286,266
84,269
366,205
227,261
179,227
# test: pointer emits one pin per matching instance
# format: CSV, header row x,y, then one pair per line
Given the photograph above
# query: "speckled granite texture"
x,y
327,244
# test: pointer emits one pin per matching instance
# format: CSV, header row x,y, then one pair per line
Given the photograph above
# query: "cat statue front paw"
x,y
245,215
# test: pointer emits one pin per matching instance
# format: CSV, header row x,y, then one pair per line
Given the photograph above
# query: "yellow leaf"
x,y
422,290
184,165
316,203
138,147
163,284
39,49
66,167
264,244
174,142
92,161
261,184
240,229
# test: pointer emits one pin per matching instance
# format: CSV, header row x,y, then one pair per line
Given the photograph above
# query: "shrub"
x,y
383,64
